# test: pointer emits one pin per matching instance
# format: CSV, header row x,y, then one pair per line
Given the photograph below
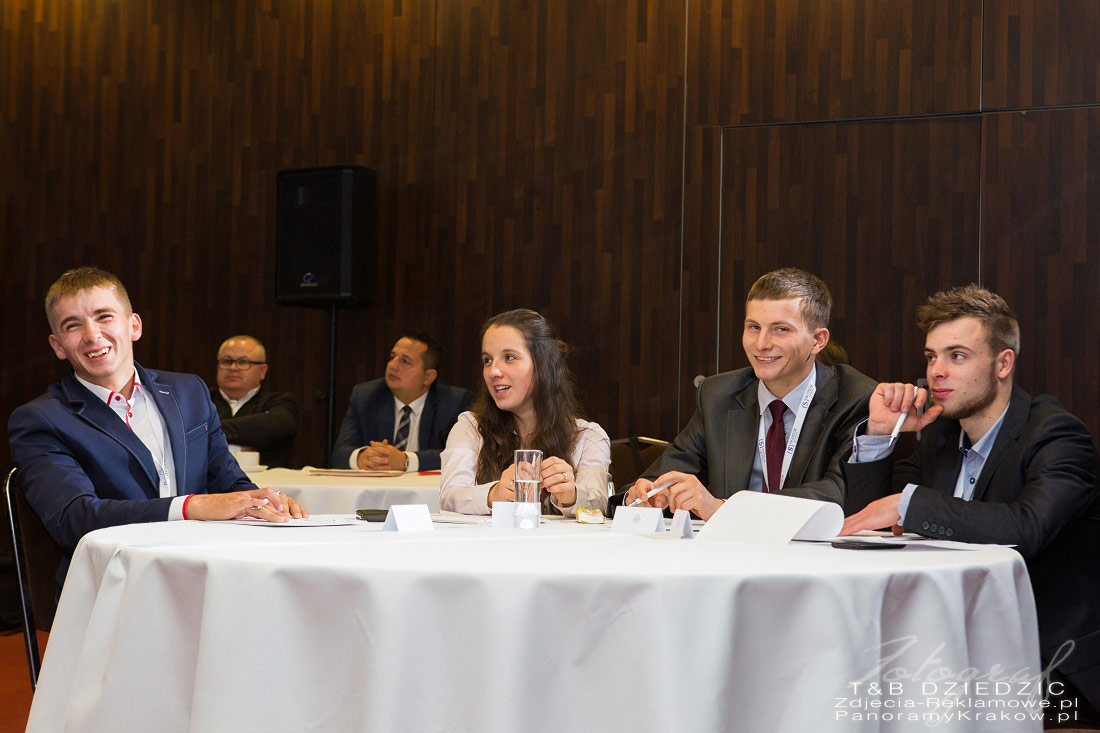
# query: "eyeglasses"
x,y
238,363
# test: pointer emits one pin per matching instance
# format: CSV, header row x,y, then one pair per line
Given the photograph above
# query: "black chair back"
x,y
37,557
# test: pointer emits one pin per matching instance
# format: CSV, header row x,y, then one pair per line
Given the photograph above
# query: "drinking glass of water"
x,y
528,477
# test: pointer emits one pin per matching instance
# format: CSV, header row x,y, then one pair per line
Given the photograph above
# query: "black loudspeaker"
x,y
325,241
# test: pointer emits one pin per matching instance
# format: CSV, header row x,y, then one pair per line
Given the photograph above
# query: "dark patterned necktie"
x,y
401,439
775,444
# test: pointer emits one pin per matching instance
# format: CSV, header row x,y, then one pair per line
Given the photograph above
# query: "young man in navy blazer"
x,y
114,443
401,421
994,465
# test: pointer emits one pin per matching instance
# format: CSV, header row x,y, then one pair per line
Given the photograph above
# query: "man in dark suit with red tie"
x,y
783,424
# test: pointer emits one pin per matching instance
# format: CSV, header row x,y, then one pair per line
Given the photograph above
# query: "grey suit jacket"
x,y
718,445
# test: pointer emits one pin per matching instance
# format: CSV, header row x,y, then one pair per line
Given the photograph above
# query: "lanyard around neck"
x,y
792,441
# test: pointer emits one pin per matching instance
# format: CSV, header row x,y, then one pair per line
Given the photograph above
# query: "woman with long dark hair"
x,y
526,400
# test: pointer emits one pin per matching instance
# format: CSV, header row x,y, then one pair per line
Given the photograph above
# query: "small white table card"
x,y
504,513
638,520
408,518
681,525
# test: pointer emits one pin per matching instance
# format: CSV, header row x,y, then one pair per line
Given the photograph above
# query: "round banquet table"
x,y
344,494
193,626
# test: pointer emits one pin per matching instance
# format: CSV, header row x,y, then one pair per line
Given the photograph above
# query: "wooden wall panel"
x,y
526,154
558,145
1041,246
1040,53
701,321
145,137
801,60
884,212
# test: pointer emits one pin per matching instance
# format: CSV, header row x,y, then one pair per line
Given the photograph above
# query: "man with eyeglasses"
x,y
253,417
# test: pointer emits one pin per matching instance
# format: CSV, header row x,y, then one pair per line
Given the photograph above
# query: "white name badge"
x,y
504,513
681,525
408,518
638,520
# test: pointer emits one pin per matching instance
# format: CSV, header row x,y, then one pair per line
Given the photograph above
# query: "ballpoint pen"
x,y
653,492
901,420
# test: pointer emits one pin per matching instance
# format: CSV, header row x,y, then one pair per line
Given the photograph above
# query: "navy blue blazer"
x,y
82,468
370,417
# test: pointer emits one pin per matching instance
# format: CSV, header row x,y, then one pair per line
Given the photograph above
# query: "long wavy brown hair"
x,y
556,407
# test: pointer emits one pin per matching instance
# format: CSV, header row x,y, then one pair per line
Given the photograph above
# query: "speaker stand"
x,y
331,386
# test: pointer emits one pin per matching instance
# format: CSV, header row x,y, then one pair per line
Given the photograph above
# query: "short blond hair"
x,y
81,279
791,282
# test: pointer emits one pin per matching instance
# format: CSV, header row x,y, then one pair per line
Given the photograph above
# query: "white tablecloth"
x,y
344,494
190,626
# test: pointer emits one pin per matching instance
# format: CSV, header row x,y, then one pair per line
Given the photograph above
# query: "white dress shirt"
x,y
413,445
764,397
235,405
141,414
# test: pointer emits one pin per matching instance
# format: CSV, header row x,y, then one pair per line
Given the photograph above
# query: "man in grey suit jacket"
x,y
994,466
401,422
722,449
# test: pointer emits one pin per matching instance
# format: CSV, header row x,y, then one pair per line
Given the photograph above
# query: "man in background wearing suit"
x,y
253,417
115,443
400,422
784,424
994,466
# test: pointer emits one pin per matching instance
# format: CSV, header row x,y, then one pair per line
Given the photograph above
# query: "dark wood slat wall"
x,y
558,148
589,159
879,210
146,138
1040,53
1040,237
889,211
792,60
527,156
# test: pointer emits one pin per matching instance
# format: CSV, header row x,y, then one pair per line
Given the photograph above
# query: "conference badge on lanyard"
x,y
792,441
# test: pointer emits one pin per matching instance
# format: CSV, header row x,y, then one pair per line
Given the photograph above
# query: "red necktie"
x,y
775,445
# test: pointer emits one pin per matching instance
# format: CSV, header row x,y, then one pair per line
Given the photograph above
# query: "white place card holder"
x,y
681,528
756,518
638,520
504,514
408,518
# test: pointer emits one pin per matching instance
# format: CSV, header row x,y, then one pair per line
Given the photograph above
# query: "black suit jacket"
x,y
268,422
370,417
1037,490
719,443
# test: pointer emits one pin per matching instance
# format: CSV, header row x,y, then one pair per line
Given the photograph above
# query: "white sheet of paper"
x,y
321,520
408,518
681,525
757,518
638,520
457,518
